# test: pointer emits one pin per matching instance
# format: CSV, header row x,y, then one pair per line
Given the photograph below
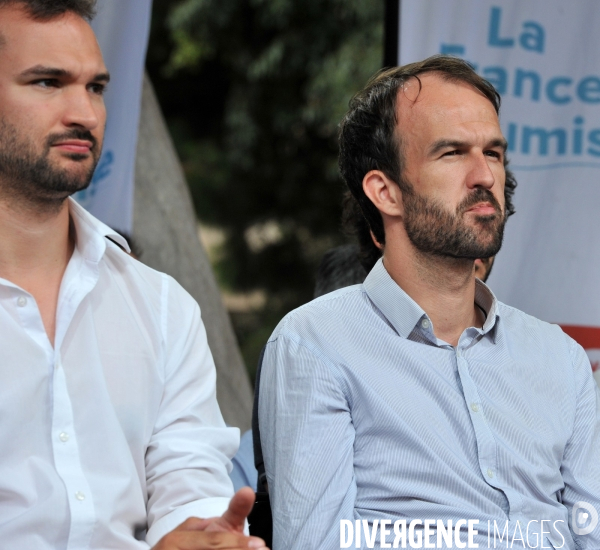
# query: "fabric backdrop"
x,y
542,56
122,28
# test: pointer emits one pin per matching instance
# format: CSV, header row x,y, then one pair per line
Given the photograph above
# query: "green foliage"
x,y
253,91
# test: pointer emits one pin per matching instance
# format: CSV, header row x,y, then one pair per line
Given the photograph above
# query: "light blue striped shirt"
x,y
366,415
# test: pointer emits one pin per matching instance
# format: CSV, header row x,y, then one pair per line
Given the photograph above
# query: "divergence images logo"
x,y
584,518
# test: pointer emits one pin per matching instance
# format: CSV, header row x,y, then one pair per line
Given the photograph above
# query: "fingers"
x,y
223,532
239,507
205,540
194,524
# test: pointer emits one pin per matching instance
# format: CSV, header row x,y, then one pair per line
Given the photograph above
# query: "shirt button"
x,y
21,301
490,473
425,323
475,407
79,495
64,437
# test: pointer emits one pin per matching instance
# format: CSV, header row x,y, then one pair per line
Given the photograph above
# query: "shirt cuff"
x,y
205,508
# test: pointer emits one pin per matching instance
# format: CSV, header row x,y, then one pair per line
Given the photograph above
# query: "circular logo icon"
x,y
584,518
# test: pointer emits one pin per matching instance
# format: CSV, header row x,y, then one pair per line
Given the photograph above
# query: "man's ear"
x,y
383,193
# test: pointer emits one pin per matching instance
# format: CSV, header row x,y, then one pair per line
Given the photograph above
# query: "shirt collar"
x,y
91,232
486,300
404,313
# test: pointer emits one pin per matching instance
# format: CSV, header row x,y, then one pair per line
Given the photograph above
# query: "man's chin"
x,y
486,224
482,246
76,177
58,189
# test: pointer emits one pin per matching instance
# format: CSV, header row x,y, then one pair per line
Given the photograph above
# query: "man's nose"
x,y
82,110
480,173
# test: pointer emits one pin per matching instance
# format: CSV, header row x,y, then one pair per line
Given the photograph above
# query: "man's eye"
x,y
452,153
46,83
99,89
494,154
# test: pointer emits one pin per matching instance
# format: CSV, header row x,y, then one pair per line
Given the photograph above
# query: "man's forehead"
x,y
432,89
65,39
439,100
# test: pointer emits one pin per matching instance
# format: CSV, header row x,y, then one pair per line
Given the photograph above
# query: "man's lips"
x,y
74,146
482,209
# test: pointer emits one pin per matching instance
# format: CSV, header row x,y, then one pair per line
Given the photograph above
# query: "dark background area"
x,y
252,91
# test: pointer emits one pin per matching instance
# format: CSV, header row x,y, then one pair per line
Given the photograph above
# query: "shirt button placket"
x,y
68,462
482,431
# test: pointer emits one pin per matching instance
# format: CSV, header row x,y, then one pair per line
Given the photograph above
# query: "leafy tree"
x,y
253,91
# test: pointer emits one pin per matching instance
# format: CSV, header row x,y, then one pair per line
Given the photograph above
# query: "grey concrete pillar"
x,y
164,224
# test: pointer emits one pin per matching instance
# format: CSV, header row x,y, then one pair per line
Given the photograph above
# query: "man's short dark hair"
x,y
44,10
368,139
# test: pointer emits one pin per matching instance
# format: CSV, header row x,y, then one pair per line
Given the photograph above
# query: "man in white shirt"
x,y
110,432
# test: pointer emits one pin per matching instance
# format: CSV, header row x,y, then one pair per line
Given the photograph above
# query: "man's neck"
x,y
444,287
32,241
35,248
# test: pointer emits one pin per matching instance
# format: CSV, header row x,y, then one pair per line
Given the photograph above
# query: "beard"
x,y
433,229
31,176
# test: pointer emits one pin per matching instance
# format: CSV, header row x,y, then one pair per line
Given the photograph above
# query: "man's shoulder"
x,y
331,313
118,262
102,245
135,278
516,319
539,334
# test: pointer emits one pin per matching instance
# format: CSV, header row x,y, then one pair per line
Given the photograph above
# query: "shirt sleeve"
x,y
581,459
307,438
187,459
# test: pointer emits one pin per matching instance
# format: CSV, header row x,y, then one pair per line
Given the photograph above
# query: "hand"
x,y
225,532
188,537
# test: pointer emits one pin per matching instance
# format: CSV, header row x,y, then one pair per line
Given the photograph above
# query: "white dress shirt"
x,y
116,430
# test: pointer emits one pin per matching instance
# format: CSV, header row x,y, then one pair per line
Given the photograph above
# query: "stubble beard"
x,y
30,178
434,230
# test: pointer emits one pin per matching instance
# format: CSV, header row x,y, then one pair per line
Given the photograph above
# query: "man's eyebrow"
x,y
440,144
40,71
102,77
500,142
457,144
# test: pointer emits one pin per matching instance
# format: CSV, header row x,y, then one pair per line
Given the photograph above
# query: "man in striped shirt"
x,y
417,398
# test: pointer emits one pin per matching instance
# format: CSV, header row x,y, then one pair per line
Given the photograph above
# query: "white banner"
x,y
542,56
122,28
